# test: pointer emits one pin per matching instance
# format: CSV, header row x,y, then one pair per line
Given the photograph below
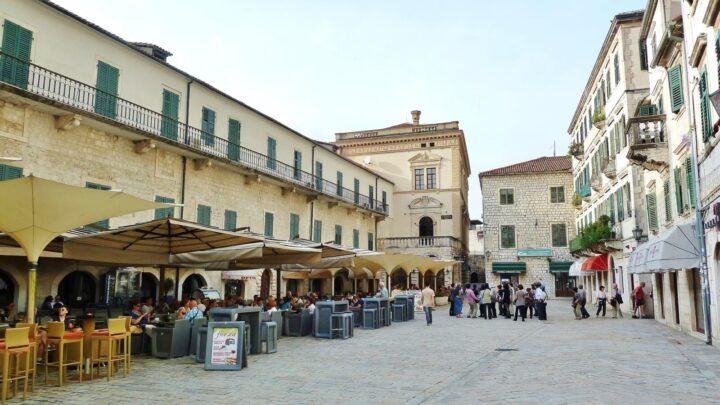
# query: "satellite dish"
x,y
366,160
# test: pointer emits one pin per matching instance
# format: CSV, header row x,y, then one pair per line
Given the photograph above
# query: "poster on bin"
x,y
224,346
418,295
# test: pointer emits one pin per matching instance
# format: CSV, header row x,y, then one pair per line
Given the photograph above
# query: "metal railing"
x,y
647,130
419,242
62,89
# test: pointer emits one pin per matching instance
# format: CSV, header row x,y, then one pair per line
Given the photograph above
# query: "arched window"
x,y
426,227
77,289
191,285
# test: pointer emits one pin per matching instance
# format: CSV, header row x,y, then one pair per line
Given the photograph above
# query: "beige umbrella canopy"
x,y
35,211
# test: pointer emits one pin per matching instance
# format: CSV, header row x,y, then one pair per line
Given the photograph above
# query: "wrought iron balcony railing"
x,y
62,89
648,142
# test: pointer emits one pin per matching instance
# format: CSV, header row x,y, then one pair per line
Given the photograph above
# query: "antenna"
x,y
554,149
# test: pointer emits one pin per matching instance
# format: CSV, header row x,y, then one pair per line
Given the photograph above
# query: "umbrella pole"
x,y
32,282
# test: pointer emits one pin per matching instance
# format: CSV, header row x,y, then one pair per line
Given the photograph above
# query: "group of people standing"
x,y
511,300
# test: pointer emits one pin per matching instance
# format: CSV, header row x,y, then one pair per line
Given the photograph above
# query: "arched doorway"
x,y
265,284
191,285
77,289
398,277
426,231
474,277
7,290
317,286
149,287
440,279
342,281
235,288
428,279
293,286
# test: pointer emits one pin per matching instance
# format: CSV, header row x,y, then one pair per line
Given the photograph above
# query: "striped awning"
x,y
509,267
560,267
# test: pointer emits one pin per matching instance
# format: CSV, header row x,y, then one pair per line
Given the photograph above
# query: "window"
x,y
679,191
107,86
620,202
652,211
208,126
356,238
294,226
507,196
422,145
643,56
384,200
431,178
668,205
271,153
17,42
706,120
356,188
557,194
432,144
317,231
507,236
559,235
690,179
338,235
203,214
339,183
105,223
297,164
233,151
269,223
419,179
164,212
10,172
170,107
230,220
616,64
371,241
676,91
371,196
318,176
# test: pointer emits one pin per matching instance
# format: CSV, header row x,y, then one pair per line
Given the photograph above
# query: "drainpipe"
x,y
312,203
184,158
699,226
375,239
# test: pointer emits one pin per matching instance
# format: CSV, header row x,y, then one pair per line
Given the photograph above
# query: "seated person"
x,y
270,308
61,312
148,305
183,310
47,305
395,291
193,311
358,301
310,305
285,305
138,318
10,314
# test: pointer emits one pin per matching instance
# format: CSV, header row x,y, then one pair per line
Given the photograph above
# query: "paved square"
x,y
558,361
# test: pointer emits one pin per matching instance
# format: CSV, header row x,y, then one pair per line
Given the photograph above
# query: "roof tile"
x,y
540,165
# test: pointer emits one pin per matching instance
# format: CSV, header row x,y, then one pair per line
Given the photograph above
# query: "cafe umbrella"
x,y
35,211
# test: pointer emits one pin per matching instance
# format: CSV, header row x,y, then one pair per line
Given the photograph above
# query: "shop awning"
x,y
560,267
509,267
239,275
575,268
596,263
675,249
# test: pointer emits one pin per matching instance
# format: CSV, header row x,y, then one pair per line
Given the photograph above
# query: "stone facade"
x,y
532,214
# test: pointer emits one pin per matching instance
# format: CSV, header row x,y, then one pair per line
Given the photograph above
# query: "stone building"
x,y
606,181
476,253
84,107
528,223
429,166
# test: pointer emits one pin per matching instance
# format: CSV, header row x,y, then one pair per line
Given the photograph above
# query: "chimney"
x,y
415,116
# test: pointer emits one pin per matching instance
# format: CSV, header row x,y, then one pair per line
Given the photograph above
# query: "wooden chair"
x,y
34,342
115,337
57,336
128,335
15,346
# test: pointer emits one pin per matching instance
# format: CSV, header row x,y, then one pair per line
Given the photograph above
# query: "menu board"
x,y
418,295
224,345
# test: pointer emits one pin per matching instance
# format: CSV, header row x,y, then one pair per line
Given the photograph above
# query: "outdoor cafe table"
x,y
377,303
409,302
252,318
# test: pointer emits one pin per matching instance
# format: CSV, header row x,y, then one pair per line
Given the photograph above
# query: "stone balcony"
x,y
440,246
609,168
648,142
596,182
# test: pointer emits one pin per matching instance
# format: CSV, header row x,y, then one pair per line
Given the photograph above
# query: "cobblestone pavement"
x,y
558,361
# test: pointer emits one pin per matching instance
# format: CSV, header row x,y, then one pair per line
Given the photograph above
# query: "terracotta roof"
x,y
540,165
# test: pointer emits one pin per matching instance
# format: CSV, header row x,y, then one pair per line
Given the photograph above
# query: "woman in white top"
x,y
601,301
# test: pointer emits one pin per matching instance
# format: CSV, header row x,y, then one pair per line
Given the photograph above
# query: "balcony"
x,y
585,192
66,93
421,242
648,142
596,182
609,168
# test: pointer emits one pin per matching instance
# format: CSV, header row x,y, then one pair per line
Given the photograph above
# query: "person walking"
x,y
530,301
520,301
616,301
452,299
507,295
458,303
472,301
427,299
583,301
601,301
639,298
577,299
540,298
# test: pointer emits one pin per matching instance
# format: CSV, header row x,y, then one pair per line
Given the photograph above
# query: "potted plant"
x,y
576,150
576,201
599,117
441,296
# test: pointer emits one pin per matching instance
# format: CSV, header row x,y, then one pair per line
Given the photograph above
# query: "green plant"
x,y
442,292
576,200
598,115
594,233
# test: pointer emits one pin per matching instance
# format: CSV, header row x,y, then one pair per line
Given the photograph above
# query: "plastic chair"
x,y
57,336
116,338
370,318
269,335
128,335
15,345
33,338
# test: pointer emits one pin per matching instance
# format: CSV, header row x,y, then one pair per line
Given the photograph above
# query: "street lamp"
x,y
638,234
715,100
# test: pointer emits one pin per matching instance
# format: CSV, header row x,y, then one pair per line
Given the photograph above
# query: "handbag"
x,y
618,298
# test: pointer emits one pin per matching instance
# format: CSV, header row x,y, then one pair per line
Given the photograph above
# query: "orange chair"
x,y
15,346
115,337
34,342
57,336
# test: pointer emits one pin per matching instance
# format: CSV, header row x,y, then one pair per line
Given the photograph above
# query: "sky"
x,y
511,72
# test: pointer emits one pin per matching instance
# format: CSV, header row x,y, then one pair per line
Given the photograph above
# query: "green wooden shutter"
x,y
208,126
269,219
204,214
371,241
356,238
678,191
164,212
384,200
10,172
271,153
371,196
319,176
317,231
17,44
676,91
233,152
668,205
612,210
705,106
338,234
652,211
339,184
297,165
230,220
294,226
169,124
107,89
690,179
620,211
105,223
356,189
